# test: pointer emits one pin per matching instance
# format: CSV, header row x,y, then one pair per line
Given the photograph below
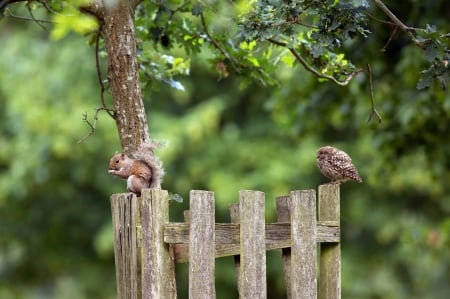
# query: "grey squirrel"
x,y
141,170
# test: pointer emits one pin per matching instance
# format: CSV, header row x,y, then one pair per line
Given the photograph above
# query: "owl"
x,y
336,165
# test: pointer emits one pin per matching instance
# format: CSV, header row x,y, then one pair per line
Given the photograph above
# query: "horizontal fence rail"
x,y
148,246
278,235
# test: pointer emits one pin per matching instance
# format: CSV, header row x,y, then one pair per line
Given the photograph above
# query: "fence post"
x,y
252,273
330,253
202,245
284,215
235,218
158,269
125,209
304,244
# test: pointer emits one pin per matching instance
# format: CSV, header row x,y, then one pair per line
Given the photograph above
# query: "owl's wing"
x,y
340,158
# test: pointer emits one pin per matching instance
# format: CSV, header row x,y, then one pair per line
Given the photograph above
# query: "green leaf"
x,y
431,51
72,20
425,81
197,9
176,197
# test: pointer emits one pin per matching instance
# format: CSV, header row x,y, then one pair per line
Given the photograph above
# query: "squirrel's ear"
x,y
122,155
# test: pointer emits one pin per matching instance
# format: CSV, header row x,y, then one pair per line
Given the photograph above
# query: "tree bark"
x,y
117,27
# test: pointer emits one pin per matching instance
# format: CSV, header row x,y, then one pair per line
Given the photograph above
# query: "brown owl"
x,y
336,165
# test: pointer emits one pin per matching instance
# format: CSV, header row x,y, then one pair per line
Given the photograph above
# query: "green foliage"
x,y
52,206
71,19
226,132
435,46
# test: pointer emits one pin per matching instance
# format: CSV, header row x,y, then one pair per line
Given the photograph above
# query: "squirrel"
x,y
141,170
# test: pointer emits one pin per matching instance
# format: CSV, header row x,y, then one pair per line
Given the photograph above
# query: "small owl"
x,y
336,165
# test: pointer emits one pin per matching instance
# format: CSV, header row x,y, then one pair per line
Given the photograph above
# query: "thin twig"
x,y
391,36
312,69
13,16
236,64
214,42
34,19
399,23
110,111
372,98
5,3
93,125
391,16
99,74
296,20
48,8
379,20
304,24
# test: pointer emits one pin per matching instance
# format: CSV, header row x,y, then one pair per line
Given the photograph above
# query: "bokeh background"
x,y
55,221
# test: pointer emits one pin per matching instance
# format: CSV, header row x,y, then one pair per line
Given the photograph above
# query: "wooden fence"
x,y
148,245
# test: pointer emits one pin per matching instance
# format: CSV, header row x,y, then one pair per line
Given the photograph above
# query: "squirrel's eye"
x,y
117,161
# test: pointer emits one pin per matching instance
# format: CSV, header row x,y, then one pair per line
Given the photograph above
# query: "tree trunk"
x,y
117,24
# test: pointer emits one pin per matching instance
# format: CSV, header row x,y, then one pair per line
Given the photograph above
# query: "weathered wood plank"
x,y
252,274
330,253
201,242
304,245
278,235
158,275
235,218
284,215
187,216
124,208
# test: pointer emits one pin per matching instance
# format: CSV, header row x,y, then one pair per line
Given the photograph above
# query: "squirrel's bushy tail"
x,y
146,153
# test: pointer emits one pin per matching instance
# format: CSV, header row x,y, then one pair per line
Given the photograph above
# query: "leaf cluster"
x,y
436,50
316,30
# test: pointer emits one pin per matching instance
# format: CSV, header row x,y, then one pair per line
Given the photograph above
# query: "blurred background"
x,y
55,221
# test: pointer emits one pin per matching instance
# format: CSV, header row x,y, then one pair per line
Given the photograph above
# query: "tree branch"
x,y
374,111
34,19
213,41
47,7
399,23
390,39
236,64
94,8
93,126
312,69
135,3
5,3
99,75
379,20
217,45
